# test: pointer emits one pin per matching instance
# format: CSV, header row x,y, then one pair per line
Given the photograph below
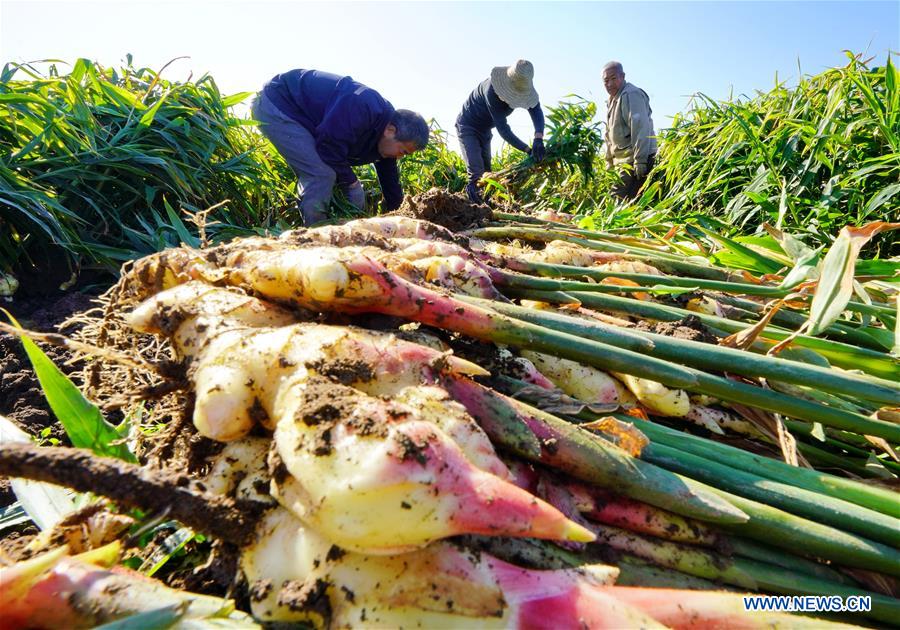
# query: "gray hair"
x,y
411,127
614,65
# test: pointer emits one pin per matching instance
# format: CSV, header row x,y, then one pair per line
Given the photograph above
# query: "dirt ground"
x,y
21,398
454,212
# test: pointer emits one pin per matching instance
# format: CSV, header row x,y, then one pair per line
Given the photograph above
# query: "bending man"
x,y
629,131
488,106
322,124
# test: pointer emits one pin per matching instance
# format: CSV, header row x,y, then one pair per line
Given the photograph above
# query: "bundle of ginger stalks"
x,y
523,425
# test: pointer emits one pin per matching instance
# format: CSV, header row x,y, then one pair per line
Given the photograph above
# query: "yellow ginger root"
x,y
308,261
416,456
656,397
317,277
334,235
498,249
58,590
308,276
719,421
403,227
703,400
164,270
630,266
459,274
238,369
194,312
555,253
240,470
383,476
563,253
376,231
572,377
705,305
559,217
351,279
412,333
416,248
584,382
296,575
448,265
239,375
627,400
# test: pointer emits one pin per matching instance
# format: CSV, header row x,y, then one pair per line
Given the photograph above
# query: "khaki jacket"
x,y
629,127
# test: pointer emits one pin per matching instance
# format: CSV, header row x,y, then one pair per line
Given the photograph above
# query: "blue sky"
x,y
428,56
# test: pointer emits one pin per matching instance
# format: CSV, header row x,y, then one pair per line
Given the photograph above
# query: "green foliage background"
x,y
102,163
105,164
808,159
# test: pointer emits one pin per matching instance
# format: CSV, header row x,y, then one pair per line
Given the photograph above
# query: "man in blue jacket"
x,y
488,106
322,124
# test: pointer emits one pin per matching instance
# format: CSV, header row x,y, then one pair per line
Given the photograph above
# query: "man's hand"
x,y
641,170
537,149
356,195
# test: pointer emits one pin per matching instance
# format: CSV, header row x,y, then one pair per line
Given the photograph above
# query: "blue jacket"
x,y
484,110
346,118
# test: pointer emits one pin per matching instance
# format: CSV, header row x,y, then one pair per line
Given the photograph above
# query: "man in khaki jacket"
x,y
629,131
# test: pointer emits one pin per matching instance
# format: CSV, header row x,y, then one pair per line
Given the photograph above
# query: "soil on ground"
x,y
454,212
21,398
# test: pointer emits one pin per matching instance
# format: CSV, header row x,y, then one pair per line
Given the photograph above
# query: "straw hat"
x,y
514,84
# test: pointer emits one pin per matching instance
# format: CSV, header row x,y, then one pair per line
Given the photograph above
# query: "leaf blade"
x,y
835,286
82,420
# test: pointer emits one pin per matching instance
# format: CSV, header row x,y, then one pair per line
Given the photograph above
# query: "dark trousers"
x,y
297,146
476,153
630,185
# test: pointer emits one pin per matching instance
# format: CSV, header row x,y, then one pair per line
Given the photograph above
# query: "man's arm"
x,y
389,179
537,119
636,108
506,133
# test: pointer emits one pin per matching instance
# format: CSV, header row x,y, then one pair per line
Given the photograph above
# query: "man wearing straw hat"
x,y
323,123
629,131
488,106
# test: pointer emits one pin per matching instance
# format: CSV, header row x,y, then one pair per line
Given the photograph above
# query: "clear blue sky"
x,y
428,56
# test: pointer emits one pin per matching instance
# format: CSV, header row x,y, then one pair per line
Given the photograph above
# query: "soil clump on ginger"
x,y
690,328
326,404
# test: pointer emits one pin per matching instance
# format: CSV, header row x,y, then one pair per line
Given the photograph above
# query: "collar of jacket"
x,y
625,86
